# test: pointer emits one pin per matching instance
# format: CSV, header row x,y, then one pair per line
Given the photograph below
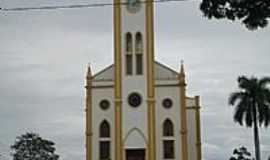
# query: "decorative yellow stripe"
x,y
151,149
198,128
88,111
183,115
118,81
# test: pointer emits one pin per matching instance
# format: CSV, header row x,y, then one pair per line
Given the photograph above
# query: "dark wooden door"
x,y
135,154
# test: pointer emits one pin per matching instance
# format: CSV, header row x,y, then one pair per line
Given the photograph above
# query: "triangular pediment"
x,y
162,72
107,74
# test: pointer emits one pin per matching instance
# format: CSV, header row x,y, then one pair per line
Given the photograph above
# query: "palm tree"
x,y
252,105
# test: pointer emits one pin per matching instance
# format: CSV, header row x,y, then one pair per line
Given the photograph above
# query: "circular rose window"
x,y
134,99
104,104
167,103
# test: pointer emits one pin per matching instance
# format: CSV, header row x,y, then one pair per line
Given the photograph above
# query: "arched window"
x,y
138,43
139,56
129,60
168,140
104,130
128,42
104,141
167,128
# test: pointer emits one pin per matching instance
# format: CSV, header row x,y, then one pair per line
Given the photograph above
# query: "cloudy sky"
x,y
43,57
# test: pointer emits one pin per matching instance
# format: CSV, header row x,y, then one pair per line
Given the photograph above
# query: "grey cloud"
x,y
43,55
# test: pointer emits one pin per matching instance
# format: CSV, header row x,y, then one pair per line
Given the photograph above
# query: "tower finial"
x,y
88,73
182,77
182,68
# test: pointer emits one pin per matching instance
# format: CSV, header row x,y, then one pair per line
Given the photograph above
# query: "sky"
x,y
44,54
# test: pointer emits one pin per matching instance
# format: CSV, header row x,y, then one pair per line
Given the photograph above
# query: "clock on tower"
x,y
133,6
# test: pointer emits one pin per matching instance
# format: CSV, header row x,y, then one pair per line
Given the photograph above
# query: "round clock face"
x,y
133,6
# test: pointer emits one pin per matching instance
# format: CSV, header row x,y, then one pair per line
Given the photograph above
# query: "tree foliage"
x,y
31,146
252,102
241,154
253,14
252,105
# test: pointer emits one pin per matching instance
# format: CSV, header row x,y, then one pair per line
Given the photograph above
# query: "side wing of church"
x,y
137,108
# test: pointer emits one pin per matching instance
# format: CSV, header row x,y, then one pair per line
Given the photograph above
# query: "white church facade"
x,y
137,108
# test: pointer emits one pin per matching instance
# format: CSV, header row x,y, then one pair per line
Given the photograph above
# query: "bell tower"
x,y
134,92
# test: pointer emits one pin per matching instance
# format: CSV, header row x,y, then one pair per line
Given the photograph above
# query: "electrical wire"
x,y
93,5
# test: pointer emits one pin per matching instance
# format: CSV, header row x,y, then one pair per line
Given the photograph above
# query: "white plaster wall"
x,y
133,117
97,84
133,22
107,74
190,102
192,151
99,115
164,72
173,114
167,82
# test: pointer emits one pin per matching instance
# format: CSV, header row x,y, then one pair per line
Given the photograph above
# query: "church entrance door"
x,y
135,154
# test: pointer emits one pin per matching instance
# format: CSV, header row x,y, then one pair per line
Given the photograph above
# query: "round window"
x,y
167,103
104,104
134,99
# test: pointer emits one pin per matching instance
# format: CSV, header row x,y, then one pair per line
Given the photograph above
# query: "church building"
x,y
138,108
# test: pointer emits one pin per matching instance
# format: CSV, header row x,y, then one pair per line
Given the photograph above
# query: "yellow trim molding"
x,y
118,81
88,110
183,114
151,149
198,128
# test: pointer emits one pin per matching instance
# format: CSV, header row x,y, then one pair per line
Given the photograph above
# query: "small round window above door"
x,y
104,104
167,103
134,99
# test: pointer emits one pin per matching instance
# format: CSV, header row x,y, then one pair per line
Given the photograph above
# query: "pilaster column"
x,y
88,111
198,128
118,80
151,150
183,113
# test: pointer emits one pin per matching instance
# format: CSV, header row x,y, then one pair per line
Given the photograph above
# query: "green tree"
x,y
252,105
31,146
241,154
253,14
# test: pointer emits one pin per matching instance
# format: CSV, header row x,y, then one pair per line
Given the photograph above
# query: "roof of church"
x,y
162,72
